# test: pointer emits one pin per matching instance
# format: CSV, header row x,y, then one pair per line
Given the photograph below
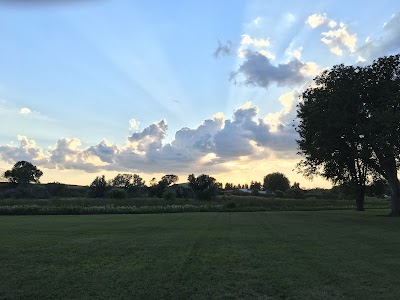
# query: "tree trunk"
x,y
395,196
360,199
390,169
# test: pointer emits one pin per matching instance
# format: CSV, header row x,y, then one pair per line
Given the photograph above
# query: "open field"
x,y
260,255
84,206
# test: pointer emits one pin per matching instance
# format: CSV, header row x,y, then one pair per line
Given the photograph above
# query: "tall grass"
x,y
80,206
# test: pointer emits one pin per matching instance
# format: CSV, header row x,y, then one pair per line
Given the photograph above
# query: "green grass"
x,y
81,206
261,255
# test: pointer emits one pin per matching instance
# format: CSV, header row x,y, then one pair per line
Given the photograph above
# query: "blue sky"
x,y
154,87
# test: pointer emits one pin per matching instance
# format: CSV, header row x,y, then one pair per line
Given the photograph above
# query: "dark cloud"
x,y
258,71
224,49
387,44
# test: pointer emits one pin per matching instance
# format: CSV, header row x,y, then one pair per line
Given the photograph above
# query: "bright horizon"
x,y
154,88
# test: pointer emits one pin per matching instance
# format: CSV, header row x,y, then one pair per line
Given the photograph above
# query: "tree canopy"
x,y
350,126
203,186
128,181
276,182
23,173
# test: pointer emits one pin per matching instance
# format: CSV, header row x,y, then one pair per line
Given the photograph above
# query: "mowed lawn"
x,y
266,255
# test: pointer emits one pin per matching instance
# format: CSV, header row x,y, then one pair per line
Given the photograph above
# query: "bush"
x,y
280,194
116,193
294,193
169,195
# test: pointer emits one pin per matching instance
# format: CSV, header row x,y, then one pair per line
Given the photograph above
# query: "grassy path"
x,y
266,255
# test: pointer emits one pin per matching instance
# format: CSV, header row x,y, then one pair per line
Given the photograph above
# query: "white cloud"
x,y
296,53
248,40
133,124
311,69
267,54
256,21
317,20
361,59
25,111
253,44
339,39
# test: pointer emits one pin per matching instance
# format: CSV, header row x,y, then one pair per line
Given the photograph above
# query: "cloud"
x,y
224,49
133,124
27,150
339,39
212,146
150,138
248,43
317,20
387,44
25,111
257,21
248,40
296,53
258,71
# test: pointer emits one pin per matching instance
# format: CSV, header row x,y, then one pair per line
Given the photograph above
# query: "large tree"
x,y
331,132
23,173
381,95
350,126
204,186
276,182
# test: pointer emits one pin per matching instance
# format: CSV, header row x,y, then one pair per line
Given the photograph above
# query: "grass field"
x,y
260,255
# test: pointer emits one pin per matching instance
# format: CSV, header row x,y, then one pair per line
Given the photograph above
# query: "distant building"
x,y
260,192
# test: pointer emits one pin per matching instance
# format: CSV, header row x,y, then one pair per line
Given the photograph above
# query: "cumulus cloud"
x,y
284,118
224,49
388,43
213,145
337,39
317,20
340,39
27,150
259,71
150,138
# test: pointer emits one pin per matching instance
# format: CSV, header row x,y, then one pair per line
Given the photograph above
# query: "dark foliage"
x,y
276,181
98,187
203,186
23,173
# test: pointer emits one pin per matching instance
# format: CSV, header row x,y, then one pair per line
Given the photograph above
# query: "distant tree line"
x,y
24,178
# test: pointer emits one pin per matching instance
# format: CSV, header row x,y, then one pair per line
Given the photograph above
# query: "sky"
x,y
172,87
